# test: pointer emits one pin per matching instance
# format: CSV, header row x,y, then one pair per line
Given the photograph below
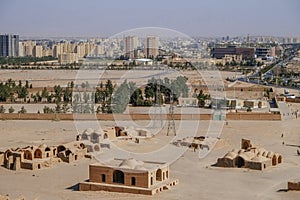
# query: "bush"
x,y
11,110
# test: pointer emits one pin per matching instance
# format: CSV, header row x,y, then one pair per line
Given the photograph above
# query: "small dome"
x,y
89,131
42,146
262,150
250,154
130,163
230,155
270,154
235,151
257,159
241,151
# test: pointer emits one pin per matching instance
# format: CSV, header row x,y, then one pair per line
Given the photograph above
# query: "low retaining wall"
x,y
253,116
111,117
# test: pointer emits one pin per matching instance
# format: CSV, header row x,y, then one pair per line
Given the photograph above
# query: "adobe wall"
x,y
97,187
95,175
296,100
1,158
294,185
27,165
226,162
253,116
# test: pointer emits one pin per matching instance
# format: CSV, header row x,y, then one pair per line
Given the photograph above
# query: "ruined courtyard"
x,y
198,179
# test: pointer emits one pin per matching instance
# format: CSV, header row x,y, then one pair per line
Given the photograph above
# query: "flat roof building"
x,y
9,45
129,176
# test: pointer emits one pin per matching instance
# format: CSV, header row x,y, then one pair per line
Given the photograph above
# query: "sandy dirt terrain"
x,y
198,179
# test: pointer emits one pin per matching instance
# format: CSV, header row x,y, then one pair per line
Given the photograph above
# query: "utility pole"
x,y
171,122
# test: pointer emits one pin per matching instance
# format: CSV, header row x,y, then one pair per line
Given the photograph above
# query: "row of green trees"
x,y
9,88
112,99
23,60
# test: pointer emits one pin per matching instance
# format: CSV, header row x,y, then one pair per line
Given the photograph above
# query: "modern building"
x,y
151,47
130,45
262,52
129,176
68,58
37,51
9,45
247,53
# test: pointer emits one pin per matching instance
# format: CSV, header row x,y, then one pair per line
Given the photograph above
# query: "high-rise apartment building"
x,y
151,47
130,45
37,51
9,45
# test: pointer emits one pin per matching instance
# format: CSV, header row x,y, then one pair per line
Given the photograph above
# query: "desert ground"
x,y
198,178
44,78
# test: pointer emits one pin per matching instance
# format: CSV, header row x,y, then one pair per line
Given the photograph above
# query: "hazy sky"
x,y
108,17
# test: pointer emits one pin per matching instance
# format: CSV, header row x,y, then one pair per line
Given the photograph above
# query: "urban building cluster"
x,y
72,50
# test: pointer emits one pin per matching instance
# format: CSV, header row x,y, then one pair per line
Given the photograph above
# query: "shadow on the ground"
x,y
282,190
74,187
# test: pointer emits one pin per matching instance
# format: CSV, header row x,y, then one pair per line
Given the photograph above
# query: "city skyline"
x,y
196,18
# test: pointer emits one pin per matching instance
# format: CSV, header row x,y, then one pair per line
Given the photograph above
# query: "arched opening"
x,y
159,175
133,180
103,178
274,160
163,176
39,166
151,181
68,152
96,148
118,131
118,177
167,174
54,152
84,136
105,136
37,153
27,155
240,162
279,159
61,148
77,137
82,145
47,149
95,138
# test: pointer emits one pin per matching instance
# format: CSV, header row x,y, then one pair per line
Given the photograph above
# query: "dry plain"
x,y
198,179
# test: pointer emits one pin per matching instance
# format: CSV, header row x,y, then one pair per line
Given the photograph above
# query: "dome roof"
x,y
88,131
258,159
230,155
270,154
262,150
130,163
250,154
235,150
42,146
241,151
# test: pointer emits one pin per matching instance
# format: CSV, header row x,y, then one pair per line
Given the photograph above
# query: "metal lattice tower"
x,y
157,105
171,122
